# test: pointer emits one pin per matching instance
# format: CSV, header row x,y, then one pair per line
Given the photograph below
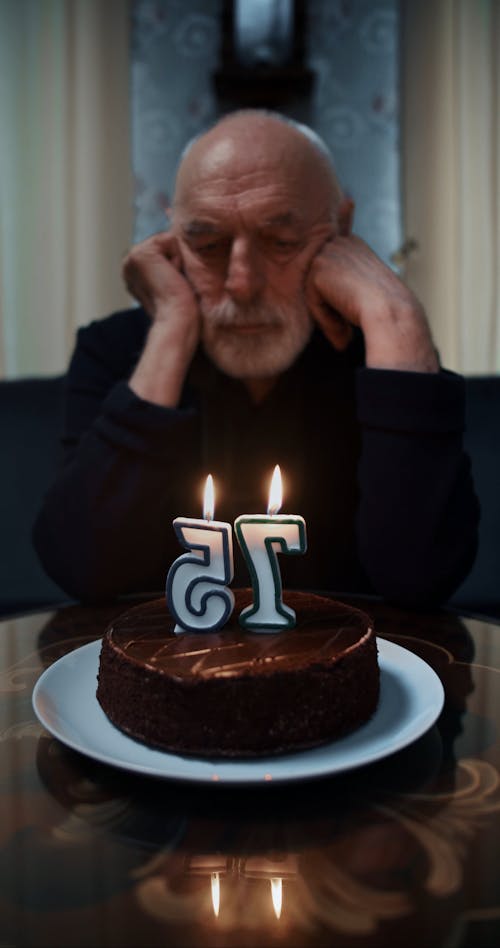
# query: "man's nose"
x,y
245,274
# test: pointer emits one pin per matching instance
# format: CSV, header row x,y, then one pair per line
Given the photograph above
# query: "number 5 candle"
x,y
196,590
260,539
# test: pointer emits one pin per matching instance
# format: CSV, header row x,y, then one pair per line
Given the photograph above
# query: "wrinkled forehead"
x,y
261,165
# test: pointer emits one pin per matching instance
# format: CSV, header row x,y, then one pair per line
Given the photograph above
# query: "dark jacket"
x,y
372,459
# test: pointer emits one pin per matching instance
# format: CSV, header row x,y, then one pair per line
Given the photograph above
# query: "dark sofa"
x,y
30,420
480,593
30,425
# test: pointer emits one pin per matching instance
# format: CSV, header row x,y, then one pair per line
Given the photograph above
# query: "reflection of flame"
x,y
275,493
209,499
215,884
277,895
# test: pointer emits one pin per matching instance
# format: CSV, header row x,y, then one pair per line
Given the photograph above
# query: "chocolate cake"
x,y
233,693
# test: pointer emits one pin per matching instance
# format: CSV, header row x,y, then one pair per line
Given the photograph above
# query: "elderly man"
x,y
268,334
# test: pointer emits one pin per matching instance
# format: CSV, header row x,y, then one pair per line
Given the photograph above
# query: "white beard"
x,y
286,330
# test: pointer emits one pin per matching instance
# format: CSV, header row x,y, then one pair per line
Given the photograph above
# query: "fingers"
x,y
146,268
159,245
168,246
345,217
336,329
329,318
337,284
136,286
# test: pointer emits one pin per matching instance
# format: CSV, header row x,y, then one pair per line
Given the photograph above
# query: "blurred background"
x,y
98,98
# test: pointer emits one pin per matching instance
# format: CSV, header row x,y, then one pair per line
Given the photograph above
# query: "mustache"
x,y
228,314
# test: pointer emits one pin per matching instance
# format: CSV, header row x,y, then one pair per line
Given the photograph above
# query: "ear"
x,y
346,216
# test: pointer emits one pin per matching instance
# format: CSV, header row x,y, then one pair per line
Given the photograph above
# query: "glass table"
x,y
403,851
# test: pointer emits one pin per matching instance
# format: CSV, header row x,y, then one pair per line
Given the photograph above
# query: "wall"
x,y
353,49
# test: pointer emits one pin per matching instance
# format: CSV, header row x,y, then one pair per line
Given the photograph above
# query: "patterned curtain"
x,y
353,50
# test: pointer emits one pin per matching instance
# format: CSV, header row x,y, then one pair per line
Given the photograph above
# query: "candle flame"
x,y
275,493
277,895
209,499
215,885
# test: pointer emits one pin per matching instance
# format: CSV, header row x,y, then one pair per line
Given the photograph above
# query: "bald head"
x,y
256,198
247,143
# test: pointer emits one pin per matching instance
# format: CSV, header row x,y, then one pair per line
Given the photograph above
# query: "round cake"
x,y
234,693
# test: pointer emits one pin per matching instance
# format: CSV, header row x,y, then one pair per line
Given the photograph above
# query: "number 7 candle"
x,y
260,539
196,590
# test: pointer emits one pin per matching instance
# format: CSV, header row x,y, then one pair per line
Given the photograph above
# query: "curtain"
x,y
65,180
451,153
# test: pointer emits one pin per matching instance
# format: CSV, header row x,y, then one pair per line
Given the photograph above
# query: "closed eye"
x,y
281,246
285,244
213,247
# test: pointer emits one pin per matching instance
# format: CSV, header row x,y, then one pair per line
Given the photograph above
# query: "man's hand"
x,y
152,271
153,275
348,285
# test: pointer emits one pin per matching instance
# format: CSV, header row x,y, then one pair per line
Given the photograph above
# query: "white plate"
x,y
411,699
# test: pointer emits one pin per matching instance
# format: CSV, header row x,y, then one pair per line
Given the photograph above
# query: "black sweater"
x,y
372,459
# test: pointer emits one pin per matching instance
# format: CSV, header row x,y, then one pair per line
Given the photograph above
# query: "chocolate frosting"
x,y
325,631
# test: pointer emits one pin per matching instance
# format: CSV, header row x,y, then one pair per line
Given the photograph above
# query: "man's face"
x,y
249,225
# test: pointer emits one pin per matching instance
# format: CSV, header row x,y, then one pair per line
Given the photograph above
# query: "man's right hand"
x,y
153,275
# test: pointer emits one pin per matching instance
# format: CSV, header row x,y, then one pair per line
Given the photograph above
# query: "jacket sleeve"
x,y
105,527
418,514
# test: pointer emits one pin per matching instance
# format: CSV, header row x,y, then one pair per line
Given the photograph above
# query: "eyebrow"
x,y
196,227
287,219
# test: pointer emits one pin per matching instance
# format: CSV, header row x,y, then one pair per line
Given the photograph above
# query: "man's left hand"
x,y
348,285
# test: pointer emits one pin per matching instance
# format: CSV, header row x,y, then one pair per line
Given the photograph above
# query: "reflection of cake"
x,y
232,693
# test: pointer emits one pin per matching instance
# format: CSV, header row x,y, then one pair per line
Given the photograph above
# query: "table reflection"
x,y
339,855
402,851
